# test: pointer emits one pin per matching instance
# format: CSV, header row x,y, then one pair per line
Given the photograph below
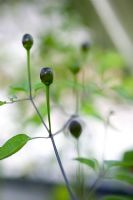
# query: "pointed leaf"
x,y
92,163
13,145
2,103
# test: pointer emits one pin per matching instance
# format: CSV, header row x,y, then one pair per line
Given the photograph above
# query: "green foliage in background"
x,y
83,75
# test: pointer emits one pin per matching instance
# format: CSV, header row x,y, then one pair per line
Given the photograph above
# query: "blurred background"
x,y
96,36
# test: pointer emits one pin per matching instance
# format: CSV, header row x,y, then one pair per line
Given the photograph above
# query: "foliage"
x,y
92,163
88,75
13,145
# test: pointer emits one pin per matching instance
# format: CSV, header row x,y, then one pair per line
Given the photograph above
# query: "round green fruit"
x,y
27,41
46,75
75,68
75,128
85,46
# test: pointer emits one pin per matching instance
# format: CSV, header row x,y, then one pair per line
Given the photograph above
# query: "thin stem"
x,y
83,80
55,148
106,125
78,169
40,138
76,95
80,173
29,73
17,100
48,108
104,144
49,130
93,187
103,171
30,90
65,125
39,114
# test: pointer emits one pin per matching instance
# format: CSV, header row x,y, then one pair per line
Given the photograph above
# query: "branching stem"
x,y
55,148
48,129
17,100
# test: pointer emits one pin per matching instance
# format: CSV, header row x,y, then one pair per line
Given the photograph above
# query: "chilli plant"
x,y
15,143
74,125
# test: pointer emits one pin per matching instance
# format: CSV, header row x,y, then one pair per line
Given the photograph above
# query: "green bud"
x,y
46,75
27,41
75,128
75,68
85,46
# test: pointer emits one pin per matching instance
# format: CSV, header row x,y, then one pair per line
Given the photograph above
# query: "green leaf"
x,y
115,197
125,177
38,86
19,88
115,163
2,103
60,192
128,156
92,163
13,145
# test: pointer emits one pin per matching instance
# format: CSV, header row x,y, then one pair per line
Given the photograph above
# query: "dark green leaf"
x,y
2,103
128,156
13,145
92,163
114,197
115,163
125,177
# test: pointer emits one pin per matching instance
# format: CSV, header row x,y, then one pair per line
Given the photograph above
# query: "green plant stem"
x,y
106,125
48,108
29,73
80,173
17,100
34,138
39,114
104,144
55,148
49,130
103,171
76,93
65,125
96,182
30,90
